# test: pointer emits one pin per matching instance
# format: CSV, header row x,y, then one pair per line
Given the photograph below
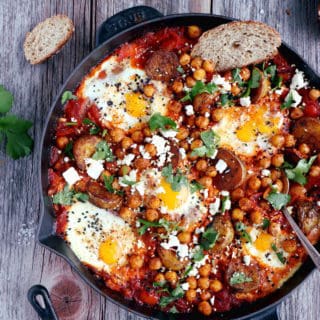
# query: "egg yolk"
x,y
136,105
172,199
263,242
109,251
257,124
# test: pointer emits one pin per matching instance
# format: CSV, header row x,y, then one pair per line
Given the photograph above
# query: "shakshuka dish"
x,y
168,178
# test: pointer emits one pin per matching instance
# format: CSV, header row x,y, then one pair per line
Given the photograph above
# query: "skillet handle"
x,y
269,314
124,20
47,312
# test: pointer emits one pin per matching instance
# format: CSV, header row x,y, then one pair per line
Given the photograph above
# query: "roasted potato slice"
x,y
202,100
83,148
170,260
100,197
224,227
249,273
262,90
234,175
307,130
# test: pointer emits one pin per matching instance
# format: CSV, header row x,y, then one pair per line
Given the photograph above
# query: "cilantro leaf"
x,y
278,200
173,310
236,76
176,180
83,197
226,99
200,151
158,121
103,152
174,295
195,186
209,238
253,82
64,197
6,100
265,223
68,150
107,180
271,71
238,278
94,129
198,88
225,203
288,101
279,254
180,69
211,141
66,96
145,225
298,173
198,255
241,228
128,182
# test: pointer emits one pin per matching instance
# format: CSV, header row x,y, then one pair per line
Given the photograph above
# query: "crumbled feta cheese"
x,y
162,148
221,82
144,153
279,91
246,260
140,244
290,209
131,176
221,165
168,133
207,114
212,300
199,230
182,153
189,110
66,159
298,81
127,160
227,204
245,101
318,203
295,96
265,172
71,176
225,193
140,187
215,152
205,193
173,241
183,250
214,206
94,167
185,286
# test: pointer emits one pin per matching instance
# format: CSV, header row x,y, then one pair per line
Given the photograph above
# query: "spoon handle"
x,y
312,251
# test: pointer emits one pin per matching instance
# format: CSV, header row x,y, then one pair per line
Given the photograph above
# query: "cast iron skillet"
x,y
123,27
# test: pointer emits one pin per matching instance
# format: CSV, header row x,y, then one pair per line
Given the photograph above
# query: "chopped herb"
x,y
241,228
209,238
271,71
277,82
195,186
108,183
128,182
226,99
236,76
68,150
239,277
288,101
83,197
158,121
174,295
145,225
104,132
173,310
180,69
159,284
66,96
265,223
94,129
225,201
198,255
279,254
64,197
187,271
70,124
176,180
278,199
198,88
298,173
103,152
6,100
211,141
253,82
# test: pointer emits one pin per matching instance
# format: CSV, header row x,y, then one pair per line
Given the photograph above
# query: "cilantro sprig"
x,y
241,228
176,180
288,101
209,238
253,82
211,141
239,277
67,195
66,96
279,253
175,294
198,88
158,121
94,128
195,186
103,152
278,200
162,223
14,129
68,150
298,173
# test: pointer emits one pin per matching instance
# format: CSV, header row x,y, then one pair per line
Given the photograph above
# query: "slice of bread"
x,y
47,38
237,44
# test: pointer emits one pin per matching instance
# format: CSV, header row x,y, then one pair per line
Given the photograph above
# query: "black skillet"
x,y
123,27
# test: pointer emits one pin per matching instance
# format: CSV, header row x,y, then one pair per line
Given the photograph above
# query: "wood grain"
x,y
22,261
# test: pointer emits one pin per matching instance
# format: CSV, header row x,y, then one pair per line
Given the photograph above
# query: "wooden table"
x,y
22,261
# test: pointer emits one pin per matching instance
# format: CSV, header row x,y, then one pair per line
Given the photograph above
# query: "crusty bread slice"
x,y
47,38
237,44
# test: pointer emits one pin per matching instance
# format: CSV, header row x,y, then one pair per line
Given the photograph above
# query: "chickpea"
x,y
174,106
126,214
190,82
136,261
278,140
137,136
290,141
314,94
205,295
237,214
245,204
191,295
62,142
275,174
184,144
155,264
154,202
159,278
245,73
151,149
194,32
192,282
205,270
152,214
201,165
296,113
289,245
256,217
208,66
265,163
237,194
203,283
149,90
177,86
264,205
199,74
184,59
182,134
298,191
147,132
202,122
124,170
254,183
265,182
205,308
279,185
304,148
196,62
134,201
216,285
205,181
196,144
195,134
211,171
119,153
117,135
184,237
217,114
204,109
314,171
277,160
126,143
171,277
235,90
141,163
